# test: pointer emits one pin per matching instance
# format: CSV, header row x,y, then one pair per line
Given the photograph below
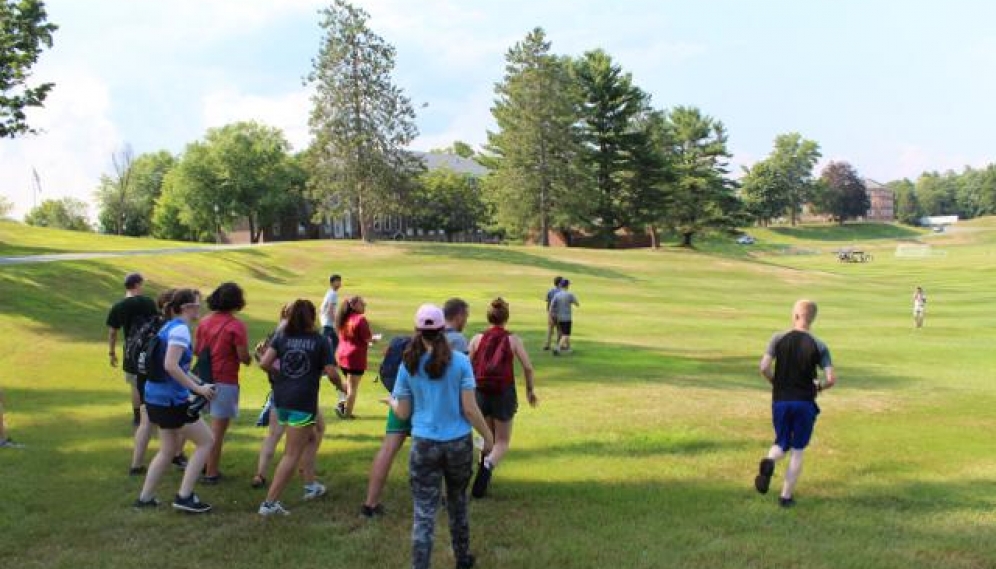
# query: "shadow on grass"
x,y
847,232
71,300
624,364
503,255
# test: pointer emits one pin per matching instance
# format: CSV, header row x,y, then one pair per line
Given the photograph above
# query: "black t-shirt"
x,y
797,354
130,311
302,362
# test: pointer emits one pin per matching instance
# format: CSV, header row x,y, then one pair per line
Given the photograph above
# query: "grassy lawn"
x,y
18,239
643,450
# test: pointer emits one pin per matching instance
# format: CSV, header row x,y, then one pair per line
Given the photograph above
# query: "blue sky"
x,y
894,87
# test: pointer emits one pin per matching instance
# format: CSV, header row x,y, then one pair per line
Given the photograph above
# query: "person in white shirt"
x,y
327,311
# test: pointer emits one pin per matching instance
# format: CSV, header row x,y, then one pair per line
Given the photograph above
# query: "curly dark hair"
x,y
228,297
301,318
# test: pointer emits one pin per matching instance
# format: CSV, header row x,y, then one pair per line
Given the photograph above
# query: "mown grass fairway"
x,y
644,448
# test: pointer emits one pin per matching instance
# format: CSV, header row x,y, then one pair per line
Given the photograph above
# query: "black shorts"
x,y
499,406
565,327
356,372
174,417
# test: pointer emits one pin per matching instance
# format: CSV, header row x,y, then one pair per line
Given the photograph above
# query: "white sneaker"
x,y
314,490
267,509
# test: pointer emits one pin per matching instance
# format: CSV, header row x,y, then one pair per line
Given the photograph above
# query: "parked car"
x,y
745,240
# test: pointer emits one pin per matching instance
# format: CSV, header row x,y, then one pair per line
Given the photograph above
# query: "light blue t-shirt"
x,y
437,414
457,341
166,391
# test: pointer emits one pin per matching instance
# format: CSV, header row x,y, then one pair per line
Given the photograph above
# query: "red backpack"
x,y
494,362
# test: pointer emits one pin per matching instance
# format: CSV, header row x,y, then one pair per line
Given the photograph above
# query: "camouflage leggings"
x,y
431,462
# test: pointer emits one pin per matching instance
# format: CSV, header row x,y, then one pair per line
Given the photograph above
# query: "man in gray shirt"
x,y
456,311
561,310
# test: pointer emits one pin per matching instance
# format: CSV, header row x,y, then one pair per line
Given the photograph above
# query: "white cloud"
x,y
288,112
76,143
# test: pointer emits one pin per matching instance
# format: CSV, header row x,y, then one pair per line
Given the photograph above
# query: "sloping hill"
x,y
641,453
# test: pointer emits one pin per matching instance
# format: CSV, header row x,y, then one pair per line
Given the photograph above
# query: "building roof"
x,y
459,164
873,185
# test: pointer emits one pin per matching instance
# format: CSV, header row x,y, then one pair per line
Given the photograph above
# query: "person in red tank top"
x,y
493,354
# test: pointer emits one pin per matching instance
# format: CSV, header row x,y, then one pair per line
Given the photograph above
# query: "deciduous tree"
x,y
24,33
844,195
65,213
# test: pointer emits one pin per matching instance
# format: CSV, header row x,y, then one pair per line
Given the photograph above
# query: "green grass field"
x,y
641,454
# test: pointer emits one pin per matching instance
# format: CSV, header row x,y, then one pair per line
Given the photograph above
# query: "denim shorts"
x,y
225,404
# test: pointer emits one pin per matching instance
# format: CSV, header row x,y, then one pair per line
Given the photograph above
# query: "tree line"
x,y
967,194
579,150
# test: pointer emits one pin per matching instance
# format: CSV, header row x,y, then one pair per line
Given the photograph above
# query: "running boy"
x,y
795,355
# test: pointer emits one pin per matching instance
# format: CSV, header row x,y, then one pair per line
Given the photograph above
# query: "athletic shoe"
x,y
9,443
267,509
556,352
137,470
340,409
314,490
258,481
546,348
141,504
191,504
764,471
370,513
482,480
786,502
180,461
211,480
466,562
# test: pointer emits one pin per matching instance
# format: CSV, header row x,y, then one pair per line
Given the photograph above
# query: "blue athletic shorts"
x,y
794,422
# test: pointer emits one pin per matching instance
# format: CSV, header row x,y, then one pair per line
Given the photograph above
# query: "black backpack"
x,y
140,344
392,361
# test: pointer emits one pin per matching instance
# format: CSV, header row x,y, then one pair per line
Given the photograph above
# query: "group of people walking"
x,y
445,388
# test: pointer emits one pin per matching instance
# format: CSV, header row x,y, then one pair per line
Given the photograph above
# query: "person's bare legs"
x,y
218,429
297,438
200,434
3,426
381,467
792,473
550,325
503,439
352,389
143,434
309,456
269,448
169,443
776,453
136,401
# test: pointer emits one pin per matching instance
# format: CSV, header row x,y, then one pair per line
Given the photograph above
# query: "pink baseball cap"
x,y
429,317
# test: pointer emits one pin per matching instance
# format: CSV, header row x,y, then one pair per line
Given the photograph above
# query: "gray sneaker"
x,y
314,490
9,443
267,509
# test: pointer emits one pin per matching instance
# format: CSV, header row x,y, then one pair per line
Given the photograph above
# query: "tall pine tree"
x,y
617,146
362,122
702,195
534,150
